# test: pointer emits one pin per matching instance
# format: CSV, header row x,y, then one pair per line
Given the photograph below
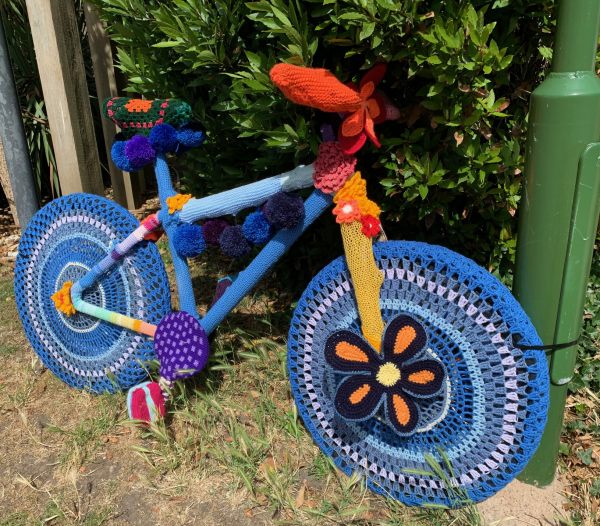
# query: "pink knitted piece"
x,y
332,167
138,403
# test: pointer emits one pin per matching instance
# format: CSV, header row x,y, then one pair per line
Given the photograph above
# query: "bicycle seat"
x,y
139,116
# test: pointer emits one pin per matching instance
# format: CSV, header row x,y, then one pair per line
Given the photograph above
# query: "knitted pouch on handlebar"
x,y
149,127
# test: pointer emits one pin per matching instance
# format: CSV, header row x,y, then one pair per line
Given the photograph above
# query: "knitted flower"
x,y
319,88
355,188
176,202
394,378
368,208
346,212
332,167
360,124
62,299
370,225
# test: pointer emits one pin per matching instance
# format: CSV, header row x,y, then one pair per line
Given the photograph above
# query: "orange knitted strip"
x,y
315,87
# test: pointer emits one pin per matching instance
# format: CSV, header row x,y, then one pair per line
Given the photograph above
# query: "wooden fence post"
x,y
125,190
60,63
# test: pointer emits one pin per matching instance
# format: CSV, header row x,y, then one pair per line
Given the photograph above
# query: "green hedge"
x,y
449,170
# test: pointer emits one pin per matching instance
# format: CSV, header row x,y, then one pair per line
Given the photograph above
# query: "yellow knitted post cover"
x,y
366,279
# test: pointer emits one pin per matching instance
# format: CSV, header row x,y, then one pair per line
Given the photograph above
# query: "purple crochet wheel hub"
x,y
181,346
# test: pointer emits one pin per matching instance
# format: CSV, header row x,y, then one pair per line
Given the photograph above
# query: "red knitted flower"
x,y
332,167
370,225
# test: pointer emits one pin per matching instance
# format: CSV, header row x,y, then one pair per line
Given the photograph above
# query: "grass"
x,y
233,449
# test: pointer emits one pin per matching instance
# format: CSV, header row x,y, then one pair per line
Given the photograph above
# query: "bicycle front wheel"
x,y
63,241
479,431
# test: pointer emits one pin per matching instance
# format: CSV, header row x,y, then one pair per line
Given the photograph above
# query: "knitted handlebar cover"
x,y
62,242
484,424
139,116
314,87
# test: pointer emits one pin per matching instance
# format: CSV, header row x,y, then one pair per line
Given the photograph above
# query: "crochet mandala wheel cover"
x,y
62,242
483,426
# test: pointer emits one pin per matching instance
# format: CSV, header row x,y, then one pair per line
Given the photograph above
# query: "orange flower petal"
x,y
366,90
373,108
370,131
354,123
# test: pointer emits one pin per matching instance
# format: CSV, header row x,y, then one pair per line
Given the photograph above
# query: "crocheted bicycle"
x,y
408,363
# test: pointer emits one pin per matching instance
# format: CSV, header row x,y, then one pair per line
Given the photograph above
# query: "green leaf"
x,y
586,456
367,30
168,43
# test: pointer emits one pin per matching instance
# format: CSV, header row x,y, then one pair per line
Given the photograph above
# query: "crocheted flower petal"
x,y
354,123
373,108
422,378
350,145
370,131
402,412
347,352
358,397
404,337
366,90
374,75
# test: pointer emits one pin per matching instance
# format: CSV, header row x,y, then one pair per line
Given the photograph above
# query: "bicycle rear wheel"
x,y
62,242
480,430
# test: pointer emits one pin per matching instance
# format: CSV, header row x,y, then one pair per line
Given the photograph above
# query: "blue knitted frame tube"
x,y
314,206
253,194
185,290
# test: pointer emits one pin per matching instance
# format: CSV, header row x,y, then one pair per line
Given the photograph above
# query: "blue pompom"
x,y
190,137
139,151
256,228
117,152
233,243
163,138
284,210
189,240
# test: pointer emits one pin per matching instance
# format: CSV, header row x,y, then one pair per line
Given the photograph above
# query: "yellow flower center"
x,y
388,374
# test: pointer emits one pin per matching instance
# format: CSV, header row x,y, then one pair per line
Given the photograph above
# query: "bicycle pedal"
x,y
181,345
146,402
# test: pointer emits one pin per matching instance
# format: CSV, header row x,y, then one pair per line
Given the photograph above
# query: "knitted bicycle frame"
x,y
408,363
217,205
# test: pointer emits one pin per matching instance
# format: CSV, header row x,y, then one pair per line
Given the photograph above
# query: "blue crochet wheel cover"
x,y
473,437
62,242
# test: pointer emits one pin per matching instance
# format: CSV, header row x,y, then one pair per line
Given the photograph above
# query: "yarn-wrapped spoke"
x,y
63,241
487,419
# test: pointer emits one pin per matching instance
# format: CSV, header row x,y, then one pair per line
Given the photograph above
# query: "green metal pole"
x,y
559,209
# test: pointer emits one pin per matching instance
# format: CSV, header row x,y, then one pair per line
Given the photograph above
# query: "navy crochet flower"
x,y
392,378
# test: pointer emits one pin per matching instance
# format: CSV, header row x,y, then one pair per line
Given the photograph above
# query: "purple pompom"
x,y
163,138
213,228
139,151
284,210
233,243
117,152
